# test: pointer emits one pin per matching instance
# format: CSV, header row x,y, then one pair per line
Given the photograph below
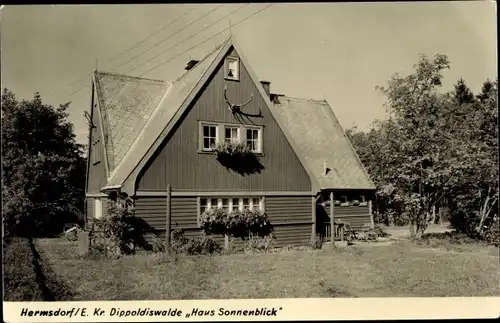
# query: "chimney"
x,y
267,87
191,64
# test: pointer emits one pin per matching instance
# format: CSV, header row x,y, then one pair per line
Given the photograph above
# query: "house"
x,y
147,135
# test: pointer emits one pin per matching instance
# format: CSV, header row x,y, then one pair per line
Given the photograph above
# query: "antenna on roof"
x,y
230,31
96,63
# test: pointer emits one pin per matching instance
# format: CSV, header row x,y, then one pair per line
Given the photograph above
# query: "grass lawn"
x,y
400,269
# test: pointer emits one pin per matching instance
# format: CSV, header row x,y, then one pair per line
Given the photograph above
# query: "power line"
x,y
198,44
165,39
130,48
186,39
155,33
220,32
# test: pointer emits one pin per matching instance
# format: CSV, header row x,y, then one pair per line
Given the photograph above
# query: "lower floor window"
x,y
97,208
231,203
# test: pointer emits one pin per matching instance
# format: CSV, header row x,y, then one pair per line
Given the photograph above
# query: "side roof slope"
x,y
319,138
125,104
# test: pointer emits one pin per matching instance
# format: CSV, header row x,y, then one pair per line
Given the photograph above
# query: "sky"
x,y
337,52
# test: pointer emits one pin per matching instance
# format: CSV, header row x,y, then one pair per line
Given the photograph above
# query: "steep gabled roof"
x,y
125,104
172,100
324,131
319,138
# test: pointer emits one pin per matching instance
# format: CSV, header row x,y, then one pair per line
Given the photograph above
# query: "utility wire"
x,y
149,48
204,41
165,39
187,38
130,48
140,42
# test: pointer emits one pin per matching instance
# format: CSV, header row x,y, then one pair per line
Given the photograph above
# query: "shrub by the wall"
x,y
195,246
239,224
115,233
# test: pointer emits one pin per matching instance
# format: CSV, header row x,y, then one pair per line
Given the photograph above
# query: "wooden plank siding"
x,y
291,217
356,216
90,208
179,163
96,177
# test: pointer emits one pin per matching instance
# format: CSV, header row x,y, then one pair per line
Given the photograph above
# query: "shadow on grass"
x,y
328,290
52,288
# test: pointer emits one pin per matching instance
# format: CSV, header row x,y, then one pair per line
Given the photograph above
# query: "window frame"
x,y
227,61
202,135
259,139
238,132
344,201
221,134
98,209
231,204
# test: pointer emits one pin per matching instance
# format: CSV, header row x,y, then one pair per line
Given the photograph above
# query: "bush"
x,y
492,234
20,281
232,149
115,234
379,231
238,224
194,246
317,242
259,244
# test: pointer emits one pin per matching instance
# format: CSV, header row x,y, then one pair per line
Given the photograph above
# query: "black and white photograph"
x,y
240,151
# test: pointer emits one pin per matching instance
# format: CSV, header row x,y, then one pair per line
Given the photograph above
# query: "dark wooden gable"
x,y
179,162
96,175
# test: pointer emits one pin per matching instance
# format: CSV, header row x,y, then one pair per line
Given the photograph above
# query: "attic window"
x,y
95,152
232,68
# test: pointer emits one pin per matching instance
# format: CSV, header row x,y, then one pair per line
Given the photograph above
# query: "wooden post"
x,y
226,242
332,221
371,213
314,226
168,220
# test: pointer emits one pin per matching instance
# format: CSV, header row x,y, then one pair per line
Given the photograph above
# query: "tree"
x,y
463,94
43,171
476,200
436,149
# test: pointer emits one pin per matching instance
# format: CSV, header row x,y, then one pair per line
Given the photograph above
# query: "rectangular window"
x,y
209,137
225,204
362,201
212,133
344,201
232,68
253,139
231,134
97,208
231,204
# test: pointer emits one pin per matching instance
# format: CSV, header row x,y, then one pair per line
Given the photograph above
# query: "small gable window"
x,y
96,152
254,139
209,137
232,68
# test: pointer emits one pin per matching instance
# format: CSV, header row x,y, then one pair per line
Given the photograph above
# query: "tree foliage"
x,y
43,171
435,149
